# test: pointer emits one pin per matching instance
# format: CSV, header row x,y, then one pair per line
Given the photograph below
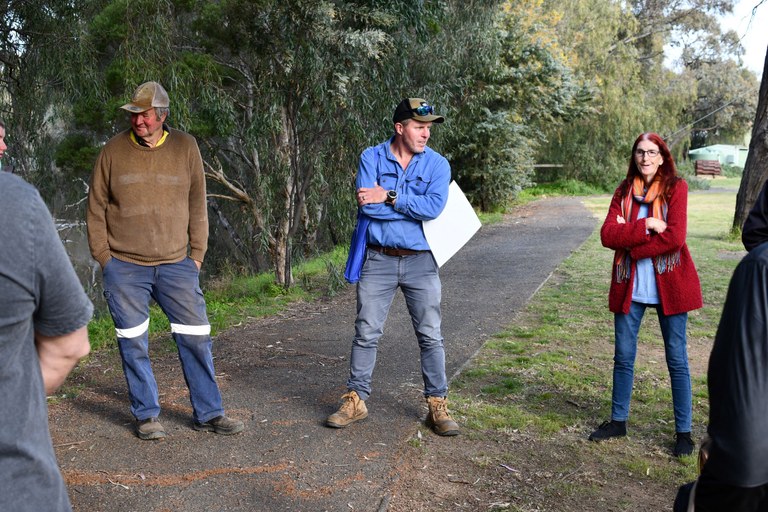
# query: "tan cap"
x,y
148,95
418,109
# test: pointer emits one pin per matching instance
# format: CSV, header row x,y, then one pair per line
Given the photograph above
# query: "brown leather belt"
x,y
391,251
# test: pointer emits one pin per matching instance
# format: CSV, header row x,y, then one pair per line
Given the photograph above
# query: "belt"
x,y
391,251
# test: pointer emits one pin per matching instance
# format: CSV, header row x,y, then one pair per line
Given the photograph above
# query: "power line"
x,y
686,127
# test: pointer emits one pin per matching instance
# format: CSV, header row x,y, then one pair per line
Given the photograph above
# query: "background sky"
x,y
754,34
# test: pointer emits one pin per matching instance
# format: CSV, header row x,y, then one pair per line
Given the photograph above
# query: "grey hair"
x,y
160,111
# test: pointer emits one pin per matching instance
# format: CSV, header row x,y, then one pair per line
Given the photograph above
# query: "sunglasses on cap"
x,y
423,110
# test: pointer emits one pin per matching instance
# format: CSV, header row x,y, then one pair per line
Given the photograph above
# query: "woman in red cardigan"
x,y
646,226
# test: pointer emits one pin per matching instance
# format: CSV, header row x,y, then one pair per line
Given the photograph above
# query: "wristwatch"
x,y
391,197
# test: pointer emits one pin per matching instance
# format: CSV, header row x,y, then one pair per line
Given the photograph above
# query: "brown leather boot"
x,y
352,409
438,418
149,429
220,425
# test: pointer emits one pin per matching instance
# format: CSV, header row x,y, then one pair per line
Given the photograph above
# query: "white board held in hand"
x,y
453,228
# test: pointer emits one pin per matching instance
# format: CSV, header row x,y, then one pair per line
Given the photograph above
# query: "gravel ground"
x,y
284,374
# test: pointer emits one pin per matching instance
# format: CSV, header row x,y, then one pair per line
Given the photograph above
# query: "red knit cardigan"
x,y
679,288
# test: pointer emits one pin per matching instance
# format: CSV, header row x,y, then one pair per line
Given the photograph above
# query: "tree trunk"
x,y
231,231
236,193
756,166
280,248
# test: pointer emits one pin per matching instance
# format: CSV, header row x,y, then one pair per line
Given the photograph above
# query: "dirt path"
x,y
283,375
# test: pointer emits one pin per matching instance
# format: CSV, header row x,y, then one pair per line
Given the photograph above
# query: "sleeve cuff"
x,y
103,258
197,255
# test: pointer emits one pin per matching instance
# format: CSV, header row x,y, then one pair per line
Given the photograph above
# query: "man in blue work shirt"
x,y
400,183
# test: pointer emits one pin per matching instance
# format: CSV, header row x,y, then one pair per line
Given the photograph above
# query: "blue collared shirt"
x,y
422,191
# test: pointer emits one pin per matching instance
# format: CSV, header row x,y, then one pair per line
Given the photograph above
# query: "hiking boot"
x,y
149,429
609,429
438,418
352,409
683,444
220,425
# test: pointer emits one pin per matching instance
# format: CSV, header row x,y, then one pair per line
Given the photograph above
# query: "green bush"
x,y
564,188
732,171
686,170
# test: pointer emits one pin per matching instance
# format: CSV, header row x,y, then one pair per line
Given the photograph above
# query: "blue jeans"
x,y
673,330
417,276
175,287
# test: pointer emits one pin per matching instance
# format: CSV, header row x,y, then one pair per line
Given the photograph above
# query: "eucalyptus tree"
x,y
291,74
594,34
618,48
725,104
513,82
705,59
726,92
35,46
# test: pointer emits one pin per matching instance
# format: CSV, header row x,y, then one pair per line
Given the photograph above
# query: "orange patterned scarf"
x,y
658,209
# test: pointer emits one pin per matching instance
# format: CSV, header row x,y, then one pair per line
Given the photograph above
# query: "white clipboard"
x,y
453,228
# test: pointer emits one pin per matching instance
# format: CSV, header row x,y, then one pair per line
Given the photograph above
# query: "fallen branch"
x,y
118,483
68,444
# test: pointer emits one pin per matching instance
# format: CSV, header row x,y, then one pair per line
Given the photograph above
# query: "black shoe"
x,y
684,445
609,429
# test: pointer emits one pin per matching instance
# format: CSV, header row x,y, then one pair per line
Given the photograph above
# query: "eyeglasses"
x,y
650,152
423,110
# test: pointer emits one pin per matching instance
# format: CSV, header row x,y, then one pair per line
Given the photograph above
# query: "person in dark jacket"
x,y
646,226
755,230
735,475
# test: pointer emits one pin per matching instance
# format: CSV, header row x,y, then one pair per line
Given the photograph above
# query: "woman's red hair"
x,y
667,171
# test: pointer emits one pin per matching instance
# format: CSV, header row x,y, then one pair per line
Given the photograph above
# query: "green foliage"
x,y
75,155
519,85
617,49
495,162
283,96
687,171
725,105
595,148
732,171
564,188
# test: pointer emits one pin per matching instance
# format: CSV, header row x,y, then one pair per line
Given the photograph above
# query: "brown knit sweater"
x,y
147,205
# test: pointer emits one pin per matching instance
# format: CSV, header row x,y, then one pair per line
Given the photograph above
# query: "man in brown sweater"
x,y
148,229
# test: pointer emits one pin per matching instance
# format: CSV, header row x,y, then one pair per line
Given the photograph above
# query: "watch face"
x,y
392,194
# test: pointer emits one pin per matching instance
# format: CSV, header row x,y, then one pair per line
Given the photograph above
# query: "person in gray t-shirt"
x,y
44,314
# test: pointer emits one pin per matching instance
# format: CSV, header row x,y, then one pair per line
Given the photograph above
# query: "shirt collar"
x,y
142,142
388,151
